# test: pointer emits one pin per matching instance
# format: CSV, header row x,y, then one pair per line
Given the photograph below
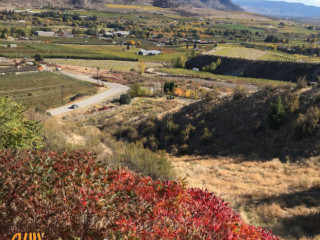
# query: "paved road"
x,y
114,89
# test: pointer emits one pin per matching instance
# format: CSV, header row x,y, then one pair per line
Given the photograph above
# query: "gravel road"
x,y
114,89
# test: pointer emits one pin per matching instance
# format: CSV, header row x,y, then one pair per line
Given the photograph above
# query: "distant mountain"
x,y
279,8
215,4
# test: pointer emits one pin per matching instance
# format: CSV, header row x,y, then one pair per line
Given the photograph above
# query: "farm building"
x,y
121,33
148,52
45,34
108,34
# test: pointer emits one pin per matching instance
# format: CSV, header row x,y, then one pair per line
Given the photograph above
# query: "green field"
x,y
44,90
103,52
62,51
74,40
120,52
238,51
216,77
121,66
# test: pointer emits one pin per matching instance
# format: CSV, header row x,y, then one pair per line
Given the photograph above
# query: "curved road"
x,y
114,89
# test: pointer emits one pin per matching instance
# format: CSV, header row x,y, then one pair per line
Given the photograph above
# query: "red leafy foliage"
x,y
74,195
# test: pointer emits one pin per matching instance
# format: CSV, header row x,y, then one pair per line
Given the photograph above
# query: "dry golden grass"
x,y
264,193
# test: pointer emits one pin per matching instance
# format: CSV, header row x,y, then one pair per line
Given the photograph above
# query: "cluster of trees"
x,y
212,67
11,15
313,38
6,32
276,39
302,49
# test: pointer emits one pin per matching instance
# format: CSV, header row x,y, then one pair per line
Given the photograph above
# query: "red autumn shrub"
x,y
75,196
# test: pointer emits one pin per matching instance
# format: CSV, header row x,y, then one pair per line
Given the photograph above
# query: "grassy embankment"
x,y
215,77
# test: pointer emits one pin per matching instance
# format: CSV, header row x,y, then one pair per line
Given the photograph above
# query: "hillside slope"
x,y
284,71
240,127
215,4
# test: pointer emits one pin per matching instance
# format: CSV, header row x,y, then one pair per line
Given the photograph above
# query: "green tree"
x,y
178,62
17,132
169,87
137,90
38,58
141,68
276,115
125,99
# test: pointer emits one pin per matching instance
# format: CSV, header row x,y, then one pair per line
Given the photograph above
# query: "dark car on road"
x,y
74,106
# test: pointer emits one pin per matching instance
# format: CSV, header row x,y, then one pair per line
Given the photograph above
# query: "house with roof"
x,y
144,52
45,34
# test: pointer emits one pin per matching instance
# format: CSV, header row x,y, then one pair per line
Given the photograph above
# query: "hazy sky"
x,y
307,2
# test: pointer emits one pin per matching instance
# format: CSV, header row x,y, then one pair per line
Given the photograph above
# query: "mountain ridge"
x,y
279,8
101,4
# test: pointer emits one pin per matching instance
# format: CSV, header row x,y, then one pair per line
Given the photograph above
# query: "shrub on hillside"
x,y
16,131
141,68
269,88
212,95
179,62
276,115
291,101
170,125
73,196
212,66
206,136
169,87
185,133
139,159
302,83
125,99
307,124
137,90
239,92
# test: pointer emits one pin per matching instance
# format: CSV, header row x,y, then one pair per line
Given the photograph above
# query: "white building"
x,y
45,34
148,52
122,33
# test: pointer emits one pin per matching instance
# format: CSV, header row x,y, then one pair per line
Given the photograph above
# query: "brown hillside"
x,y
240,127
215,4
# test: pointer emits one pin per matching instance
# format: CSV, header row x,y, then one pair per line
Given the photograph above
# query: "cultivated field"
x,y
121,66
44,90
237,51
94,52
121,52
